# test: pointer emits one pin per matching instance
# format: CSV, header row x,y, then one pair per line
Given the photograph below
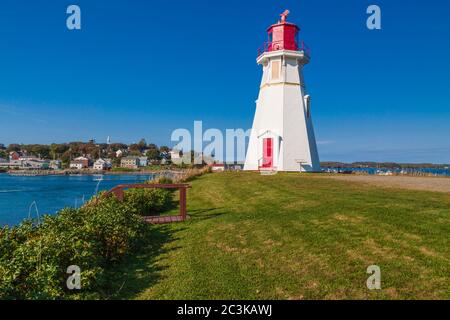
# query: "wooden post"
x,y
183,203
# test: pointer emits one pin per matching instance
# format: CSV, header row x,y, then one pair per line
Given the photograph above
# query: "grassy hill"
x,y
292,236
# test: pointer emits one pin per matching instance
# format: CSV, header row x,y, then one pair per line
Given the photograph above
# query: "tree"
x,y
40,150
56,150
116,162
66,157
142,144
14,147
118,146
153,154
134,149
136,153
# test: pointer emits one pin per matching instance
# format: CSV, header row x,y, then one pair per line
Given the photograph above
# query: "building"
x,y
77,164
35,164
28,158
15,163
83,160
27,163
4,163
13,155
129,162
143,161
102,164
55,164
11,164
217,167
175,156
282,137
99,164
119,153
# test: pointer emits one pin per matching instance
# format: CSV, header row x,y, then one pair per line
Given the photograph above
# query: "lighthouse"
x,y
282,136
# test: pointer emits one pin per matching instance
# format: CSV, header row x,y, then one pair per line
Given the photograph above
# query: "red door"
x,y
267,153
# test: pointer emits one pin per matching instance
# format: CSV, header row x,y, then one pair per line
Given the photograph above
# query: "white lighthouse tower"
x,y
282,136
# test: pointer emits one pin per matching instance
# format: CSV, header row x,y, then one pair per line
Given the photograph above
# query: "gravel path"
x,y
436,184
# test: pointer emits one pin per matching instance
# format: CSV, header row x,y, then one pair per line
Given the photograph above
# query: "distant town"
x,y
86,156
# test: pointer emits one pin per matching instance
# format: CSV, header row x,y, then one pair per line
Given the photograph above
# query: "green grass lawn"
x,y
292,236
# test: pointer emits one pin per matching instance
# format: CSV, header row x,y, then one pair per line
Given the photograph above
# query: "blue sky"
x,y
144,68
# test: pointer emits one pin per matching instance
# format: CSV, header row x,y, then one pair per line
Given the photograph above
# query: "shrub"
x,y
34,258
162,180
191,174
147,201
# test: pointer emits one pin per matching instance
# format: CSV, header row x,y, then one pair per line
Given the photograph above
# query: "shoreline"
x,y
32,173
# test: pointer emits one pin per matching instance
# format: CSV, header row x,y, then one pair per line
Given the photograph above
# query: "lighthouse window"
x,y
307,105
275,70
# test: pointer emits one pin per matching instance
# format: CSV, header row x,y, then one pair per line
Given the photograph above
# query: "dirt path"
x,y
416,183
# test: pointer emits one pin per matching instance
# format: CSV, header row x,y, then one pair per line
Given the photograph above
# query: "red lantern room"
x,y
283,36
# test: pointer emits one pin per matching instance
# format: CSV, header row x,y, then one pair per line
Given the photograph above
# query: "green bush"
x,y
147,201
34,258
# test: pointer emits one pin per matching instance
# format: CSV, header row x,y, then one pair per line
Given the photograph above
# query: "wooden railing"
x,y
278,45
118,192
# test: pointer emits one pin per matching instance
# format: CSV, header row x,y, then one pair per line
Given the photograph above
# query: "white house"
x,y
35,164
83,160
14,163
29,158
282,137
175,156
4,163
119,153
102,164
55,164
143,161
76,164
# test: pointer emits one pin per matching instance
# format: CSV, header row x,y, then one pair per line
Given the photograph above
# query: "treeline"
x,y
388,165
